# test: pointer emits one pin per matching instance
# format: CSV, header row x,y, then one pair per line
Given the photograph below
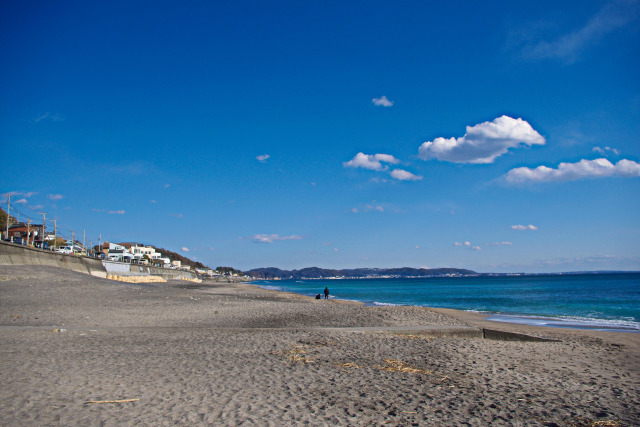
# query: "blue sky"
x,y
498,137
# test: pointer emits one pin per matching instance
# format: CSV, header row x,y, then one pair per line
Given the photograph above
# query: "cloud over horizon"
x,y
468,245
524,227
270,238
263,158
584,169
482,143
500,244
367,208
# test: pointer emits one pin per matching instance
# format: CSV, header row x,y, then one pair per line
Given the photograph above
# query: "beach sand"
x,y
181,353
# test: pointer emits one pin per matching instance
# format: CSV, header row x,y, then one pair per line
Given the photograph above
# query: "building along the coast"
x,y
30,233
132,252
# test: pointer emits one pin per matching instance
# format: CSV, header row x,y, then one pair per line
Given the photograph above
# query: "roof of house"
x,y
20,225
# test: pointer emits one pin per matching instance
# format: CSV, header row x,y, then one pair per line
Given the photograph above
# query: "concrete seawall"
x,y
12,254
126,269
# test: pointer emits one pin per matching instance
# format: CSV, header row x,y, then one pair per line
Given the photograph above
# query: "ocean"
x,y
607,301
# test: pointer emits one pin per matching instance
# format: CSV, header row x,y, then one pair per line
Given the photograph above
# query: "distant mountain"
x,y
269,273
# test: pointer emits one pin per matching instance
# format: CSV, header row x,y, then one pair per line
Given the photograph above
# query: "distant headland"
x,y
309,273
273,273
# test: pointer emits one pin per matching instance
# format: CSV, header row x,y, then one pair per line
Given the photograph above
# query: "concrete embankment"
x,y
12,254
126,269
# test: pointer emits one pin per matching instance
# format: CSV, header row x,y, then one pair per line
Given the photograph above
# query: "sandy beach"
x,y
80,350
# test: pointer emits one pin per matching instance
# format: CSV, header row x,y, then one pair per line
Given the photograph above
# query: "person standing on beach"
x,y
326,293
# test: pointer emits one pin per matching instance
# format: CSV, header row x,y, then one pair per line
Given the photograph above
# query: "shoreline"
x,y
550,321
628,339
235,353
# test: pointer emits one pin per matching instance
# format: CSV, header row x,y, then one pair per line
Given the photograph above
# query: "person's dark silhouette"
x,y
326,293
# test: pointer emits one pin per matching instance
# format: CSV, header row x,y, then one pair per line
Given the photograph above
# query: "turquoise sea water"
x,y
583,301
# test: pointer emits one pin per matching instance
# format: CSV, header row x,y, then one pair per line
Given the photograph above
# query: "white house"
x,y
119,253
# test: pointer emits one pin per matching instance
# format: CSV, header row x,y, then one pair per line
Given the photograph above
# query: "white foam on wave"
x,y
385,304
270,287
570,322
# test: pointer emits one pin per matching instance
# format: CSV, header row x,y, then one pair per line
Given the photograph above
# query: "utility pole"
x,y
28,231
8,212
44,216
55,233
72,238
83,241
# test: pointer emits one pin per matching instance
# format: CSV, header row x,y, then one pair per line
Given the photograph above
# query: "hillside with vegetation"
x,y
174,256
3,219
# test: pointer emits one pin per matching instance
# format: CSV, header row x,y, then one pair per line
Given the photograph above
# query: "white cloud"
x,y
606,150
19,193
367,208
524,227
483,142
500,244
468,245
22,201
185,249
135,168
584,169
167,185
55,197
383,101
42,117
120,212
613,16
53,117
403,175
593,262
371,161
270,238
263,158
